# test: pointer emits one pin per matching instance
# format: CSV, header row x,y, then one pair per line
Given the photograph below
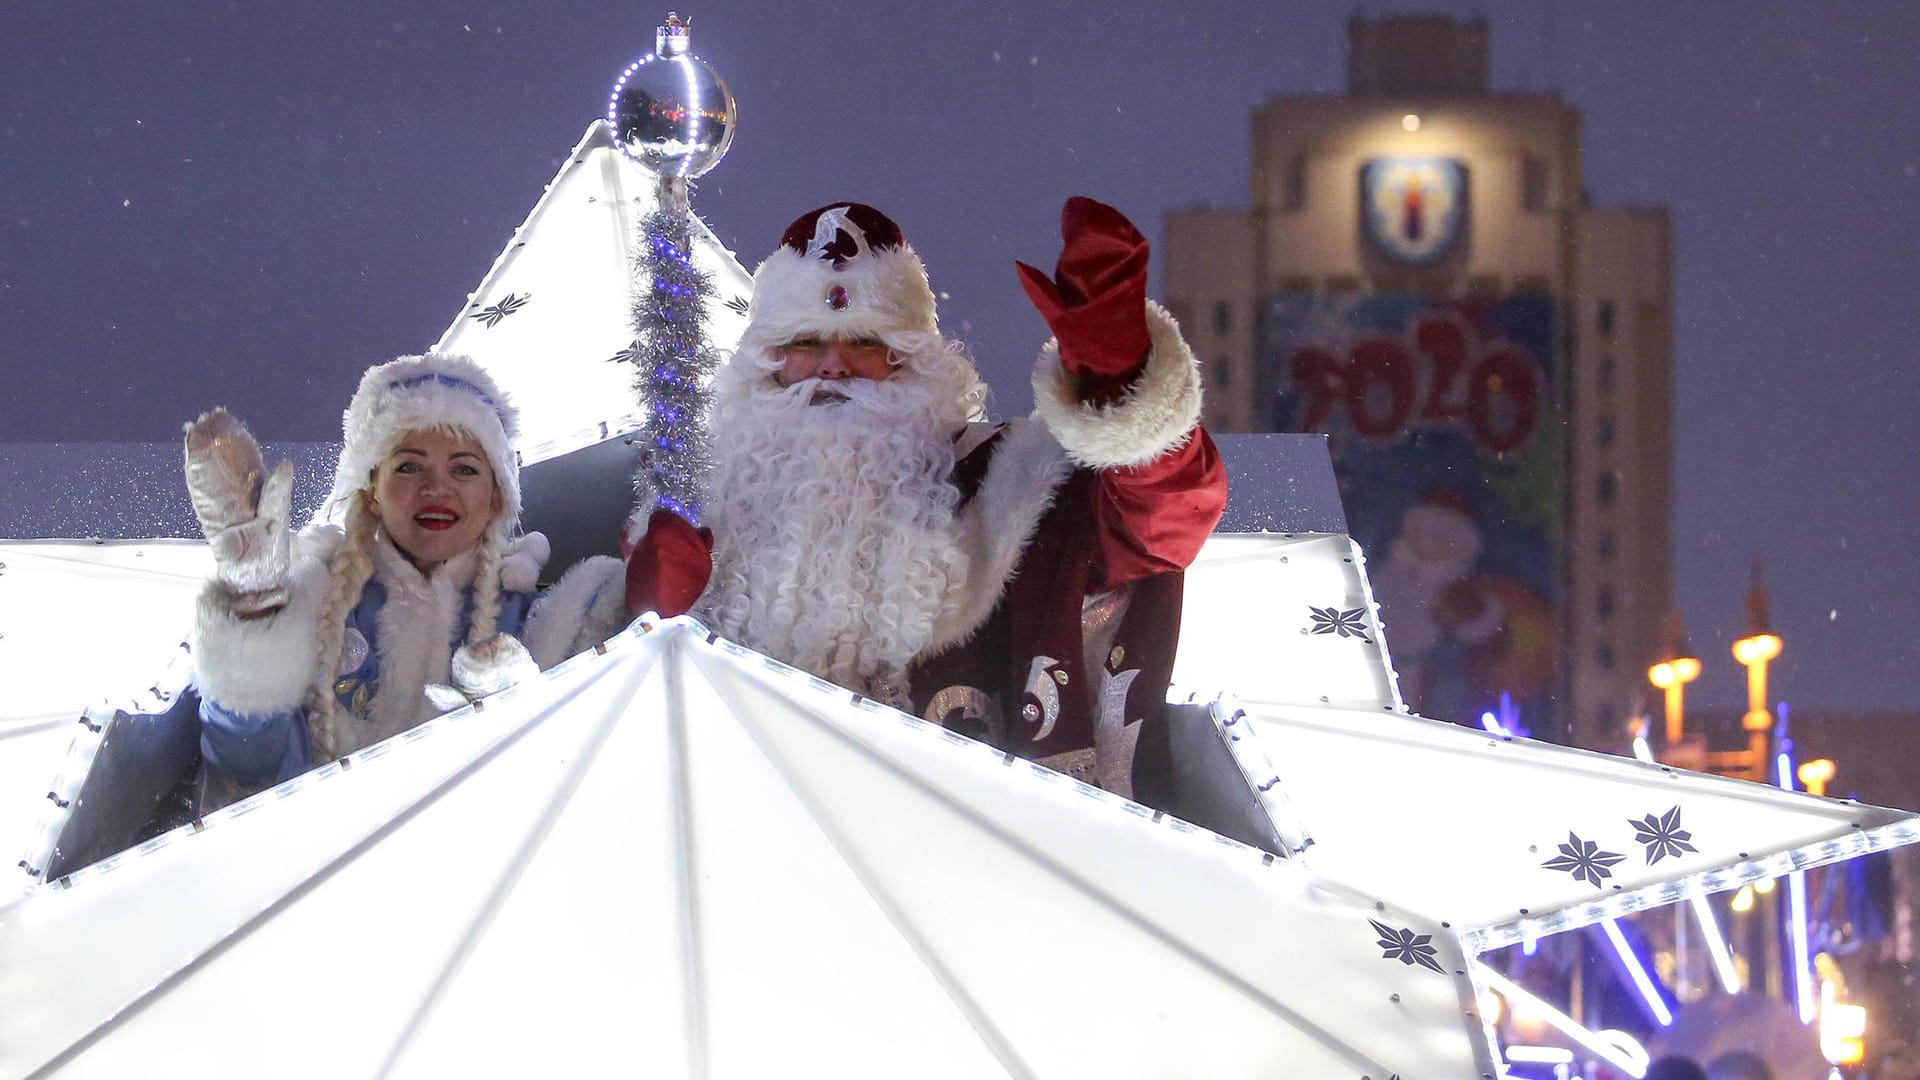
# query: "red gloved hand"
x,y
1096,301
668,570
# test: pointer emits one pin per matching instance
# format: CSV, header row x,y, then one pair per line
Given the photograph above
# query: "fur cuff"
x,y
1157,415
520,569
634,529
259,666
586,606
490,667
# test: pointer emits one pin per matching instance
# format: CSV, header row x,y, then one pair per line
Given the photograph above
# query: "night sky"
x,y
247,203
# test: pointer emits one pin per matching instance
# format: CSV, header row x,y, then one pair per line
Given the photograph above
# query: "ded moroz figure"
x,y
1016,581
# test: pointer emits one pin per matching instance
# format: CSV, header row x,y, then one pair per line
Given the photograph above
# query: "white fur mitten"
x,y
243,510
484,668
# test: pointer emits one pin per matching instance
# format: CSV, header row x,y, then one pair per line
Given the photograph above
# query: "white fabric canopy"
x,y
81,623
681,859
556,306
1286,618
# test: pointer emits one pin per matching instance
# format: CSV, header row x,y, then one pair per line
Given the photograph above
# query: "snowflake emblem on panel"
x,y
1407,947
1584,860
1332,620
737,304
1662,835
630,354
493,313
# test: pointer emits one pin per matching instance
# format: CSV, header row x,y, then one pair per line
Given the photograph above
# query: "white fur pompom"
x,y
520,569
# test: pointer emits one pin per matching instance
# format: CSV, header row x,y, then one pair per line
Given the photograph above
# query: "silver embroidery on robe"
x,y
1114,738
969,711
1042,686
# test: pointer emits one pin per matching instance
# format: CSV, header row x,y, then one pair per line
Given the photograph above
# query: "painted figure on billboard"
x,y
1442,420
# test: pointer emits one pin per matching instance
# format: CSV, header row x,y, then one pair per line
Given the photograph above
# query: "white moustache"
x,y
836,403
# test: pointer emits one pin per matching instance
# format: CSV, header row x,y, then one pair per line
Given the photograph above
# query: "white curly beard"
x,y
836,548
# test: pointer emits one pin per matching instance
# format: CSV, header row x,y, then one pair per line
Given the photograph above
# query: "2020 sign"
x,y
1386,386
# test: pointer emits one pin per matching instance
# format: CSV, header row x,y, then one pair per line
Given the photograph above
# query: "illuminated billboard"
x,y
1444,426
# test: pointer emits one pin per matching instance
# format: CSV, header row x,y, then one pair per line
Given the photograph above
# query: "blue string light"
x,y
673,362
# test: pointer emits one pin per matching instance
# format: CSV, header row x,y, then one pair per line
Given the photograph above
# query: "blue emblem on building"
x,y
1413,210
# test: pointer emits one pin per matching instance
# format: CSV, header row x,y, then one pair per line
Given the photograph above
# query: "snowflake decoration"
x,y
1407,947
630,354
1332,620
493,313
1662,835
737,304
1584,860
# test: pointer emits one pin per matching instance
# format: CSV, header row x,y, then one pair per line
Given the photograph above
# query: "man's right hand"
x,y
1096,301
242,509
669,566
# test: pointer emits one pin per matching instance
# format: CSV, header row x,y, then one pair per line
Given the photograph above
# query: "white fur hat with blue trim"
x,y
416,393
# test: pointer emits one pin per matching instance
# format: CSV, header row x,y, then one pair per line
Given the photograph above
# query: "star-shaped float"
x,y
687,859
1496,838
677,858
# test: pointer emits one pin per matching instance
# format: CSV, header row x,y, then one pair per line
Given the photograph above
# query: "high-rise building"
x,y
1421,276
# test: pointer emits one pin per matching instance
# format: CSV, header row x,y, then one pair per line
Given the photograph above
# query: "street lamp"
x,y
1756,650
1815,774
1672,673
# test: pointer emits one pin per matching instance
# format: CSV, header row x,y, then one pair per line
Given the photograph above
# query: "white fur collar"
x,y
1028,467
415,630
395,571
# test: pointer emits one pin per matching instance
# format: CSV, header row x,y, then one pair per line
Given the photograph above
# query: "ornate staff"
x,y
674,116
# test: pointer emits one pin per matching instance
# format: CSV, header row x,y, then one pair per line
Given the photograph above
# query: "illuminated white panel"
x,y
81,624
1283,618
1507,837
557,304
678,858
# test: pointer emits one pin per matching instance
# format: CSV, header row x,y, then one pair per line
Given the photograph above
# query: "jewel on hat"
x,y
841,271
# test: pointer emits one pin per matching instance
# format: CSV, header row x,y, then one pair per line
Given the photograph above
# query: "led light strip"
x,y
1717,947
1797,915
1561,1022
1780,864
1539,1055
1642,981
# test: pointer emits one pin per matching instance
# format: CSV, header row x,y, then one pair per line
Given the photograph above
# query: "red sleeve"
x,y
1152,518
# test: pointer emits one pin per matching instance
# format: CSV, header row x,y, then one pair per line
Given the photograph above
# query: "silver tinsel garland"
x,y
675,362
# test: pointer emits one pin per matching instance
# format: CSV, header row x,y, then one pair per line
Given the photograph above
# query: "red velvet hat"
x,y
843,270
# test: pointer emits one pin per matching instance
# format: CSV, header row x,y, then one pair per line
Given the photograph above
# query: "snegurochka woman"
x,y
409,595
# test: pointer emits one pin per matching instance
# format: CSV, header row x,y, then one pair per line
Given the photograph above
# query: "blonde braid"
x,y
485,617
352,566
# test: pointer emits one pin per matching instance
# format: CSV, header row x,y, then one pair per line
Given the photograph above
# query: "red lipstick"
x,y
436,518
